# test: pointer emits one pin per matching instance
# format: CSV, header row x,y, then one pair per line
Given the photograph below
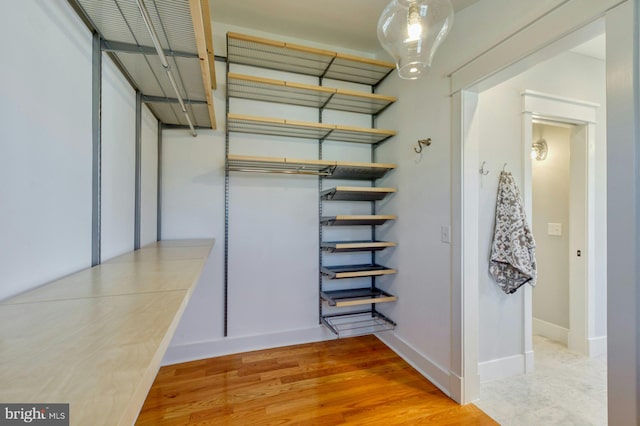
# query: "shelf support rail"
x,y
163,60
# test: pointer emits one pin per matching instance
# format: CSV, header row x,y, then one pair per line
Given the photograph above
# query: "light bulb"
x,y
534,153
415,31
412,30
414,24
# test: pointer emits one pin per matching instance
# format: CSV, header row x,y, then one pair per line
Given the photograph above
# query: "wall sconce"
x,y
539,150
412,30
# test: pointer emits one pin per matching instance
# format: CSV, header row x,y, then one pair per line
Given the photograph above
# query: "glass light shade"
x,y
412,30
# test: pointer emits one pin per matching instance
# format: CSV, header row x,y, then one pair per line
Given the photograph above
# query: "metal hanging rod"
x,y
162,99
163,60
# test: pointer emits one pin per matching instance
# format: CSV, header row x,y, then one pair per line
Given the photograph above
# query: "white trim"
x,y
551,331
428,368
501,368
548,106
582,299
559,30
597,346
529,361
232,345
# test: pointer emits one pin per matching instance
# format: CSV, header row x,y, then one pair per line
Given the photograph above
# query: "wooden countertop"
x,y
95,339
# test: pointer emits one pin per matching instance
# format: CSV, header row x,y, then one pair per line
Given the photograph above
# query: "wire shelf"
x,y
356,193
355,220
357,323
240,163
125,35
306,130
354,246
355,271
327,168
279,91
358,296
265,53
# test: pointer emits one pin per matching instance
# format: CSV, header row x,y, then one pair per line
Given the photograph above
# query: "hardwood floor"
x,y
347,381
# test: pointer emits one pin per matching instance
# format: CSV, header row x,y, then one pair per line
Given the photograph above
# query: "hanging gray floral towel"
x,y
513,258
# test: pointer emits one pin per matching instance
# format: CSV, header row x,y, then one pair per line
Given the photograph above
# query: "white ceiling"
x,y
349,24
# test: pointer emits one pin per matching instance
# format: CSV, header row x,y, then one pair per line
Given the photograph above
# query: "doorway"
x,y
559,225
507,121
497,134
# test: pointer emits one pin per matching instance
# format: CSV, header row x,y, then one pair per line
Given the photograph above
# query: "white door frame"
x,y
582,295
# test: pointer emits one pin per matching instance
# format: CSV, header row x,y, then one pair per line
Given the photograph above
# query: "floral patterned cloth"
x,y
513,258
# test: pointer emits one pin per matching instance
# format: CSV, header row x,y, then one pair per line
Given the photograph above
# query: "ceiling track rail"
x,y
163,60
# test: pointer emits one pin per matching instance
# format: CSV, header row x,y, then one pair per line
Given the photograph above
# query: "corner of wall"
x,y
429,369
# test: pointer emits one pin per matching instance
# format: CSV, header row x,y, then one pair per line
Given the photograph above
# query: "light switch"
x,y
445,234
554,229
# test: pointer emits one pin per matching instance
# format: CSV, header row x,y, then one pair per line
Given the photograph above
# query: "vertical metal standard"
x,y
96,140
373,205
159,186
226,202
320,180
138,172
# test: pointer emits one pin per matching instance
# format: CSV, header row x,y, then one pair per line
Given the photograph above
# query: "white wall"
x,y
550,193
45,144
118,162
149,176
46,149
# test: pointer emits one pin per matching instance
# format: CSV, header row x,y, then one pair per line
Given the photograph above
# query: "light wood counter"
x,y
95,339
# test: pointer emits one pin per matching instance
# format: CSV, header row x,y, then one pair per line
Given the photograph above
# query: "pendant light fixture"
x,y
412,30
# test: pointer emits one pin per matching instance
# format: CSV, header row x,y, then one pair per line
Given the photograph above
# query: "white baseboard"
x,y
597,346
550,331
429,369
464,390
501,368
529,362
232,345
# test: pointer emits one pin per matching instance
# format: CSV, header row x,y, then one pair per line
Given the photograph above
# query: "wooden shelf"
x,y
355,220
281,56
306,130
357,323
328,168
355,193
354,246
285,92
354,297
355,271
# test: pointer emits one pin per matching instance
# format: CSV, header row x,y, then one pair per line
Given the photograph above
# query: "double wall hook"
x,y
421,142
483,172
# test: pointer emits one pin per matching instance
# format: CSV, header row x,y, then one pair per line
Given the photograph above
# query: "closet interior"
x,y
346,303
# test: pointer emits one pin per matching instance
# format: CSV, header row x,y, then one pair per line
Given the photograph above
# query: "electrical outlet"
x,y
445,234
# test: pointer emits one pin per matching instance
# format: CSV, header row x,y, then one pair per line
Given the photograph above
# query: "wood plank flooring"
x,y
357,381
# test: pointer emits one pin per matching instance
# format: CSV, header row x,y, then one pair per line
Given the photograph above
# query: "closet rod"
x,y
163,60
